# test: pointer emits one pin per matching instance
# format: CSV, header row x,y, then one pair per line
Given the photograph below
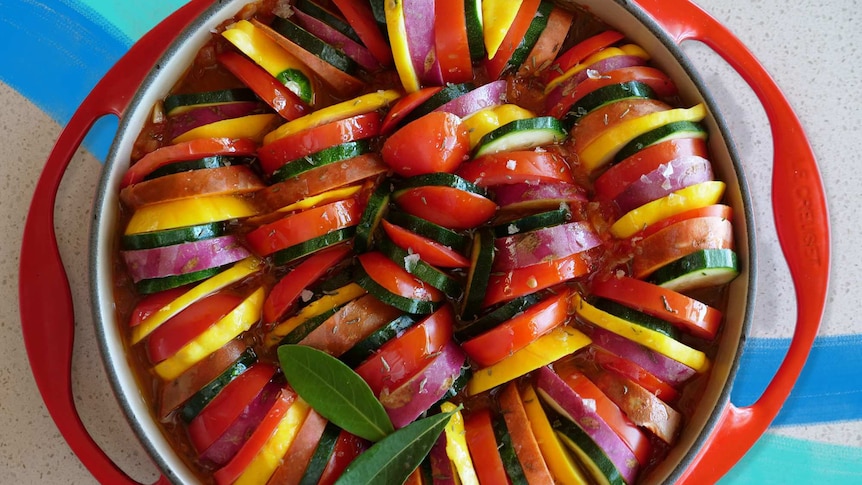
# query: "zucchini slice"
x,y
481,259
419,268
605,96
291,254
329,18
706,268
333,154
315,45
199,164
448,93
588,453
537,26
475,28
534,221
522,134
670,131
169,237
325,447
367,346
637,317
440,179
179,103
505,312
507,453
374,212
425,228
200,399
155,285
409,305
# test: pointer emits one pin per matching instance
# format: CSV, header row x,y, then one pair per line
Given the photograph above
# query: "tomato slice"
x,y
183,327
633,437
529,279
294,463
360,16
221,412
624,367
518,332
401,358
189,150
404,106
234,468
429,250
716,210
284,294
516,167
322,179
615,180
479,433
154,302
436,142
679,240
581,51
450,39
284,101
303,226
687,313
396,279
306,142
447,206
219,181
347,448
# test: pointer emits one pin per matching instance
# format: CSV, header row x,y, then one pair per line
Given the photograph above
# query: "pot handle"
x,y
801,220
45,300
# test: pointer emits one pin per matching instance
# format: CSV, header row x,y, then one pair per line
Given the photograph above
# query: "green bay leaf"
x,y
393,459
335,391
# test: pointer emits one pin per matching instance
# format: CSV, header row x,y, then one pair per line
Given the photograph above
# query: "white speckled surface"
x,y
810,47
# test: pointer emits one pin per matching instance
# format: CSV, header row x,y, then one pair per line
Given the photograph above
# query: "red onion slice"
x,y
336,39
197,117
144,264
546,244
664,368
667,178
486,96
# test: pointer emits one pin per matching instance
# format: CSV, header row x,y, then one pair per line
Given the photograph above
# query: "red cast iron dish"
x,y
719,433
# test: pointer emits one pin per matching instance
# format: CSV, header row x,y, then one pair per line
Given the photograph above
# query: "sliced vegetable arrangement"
x,y
375,244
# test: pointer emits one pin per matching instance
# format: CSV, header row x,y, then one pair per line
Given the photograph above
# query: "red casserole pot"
x,y
718,434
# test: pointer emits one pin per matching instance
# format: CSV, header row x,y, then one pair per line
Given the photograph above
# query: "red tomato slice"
x,y
234,468
396,279
303,226
450,39
523,19
510,336
183,327
679,240
232,180
429,250
221,412
401,358
479,434
189,150
624,367
634,438
361,18
347,448
581,51
614,181
530,279
717,210
436,142
284,101
663,86
687,313
284,294
516,167
447,206
322,179
152,303
306,142
404,106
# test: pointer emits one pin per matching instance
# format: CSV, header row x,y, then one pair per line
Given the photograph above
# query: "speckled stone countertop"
x,y
809,47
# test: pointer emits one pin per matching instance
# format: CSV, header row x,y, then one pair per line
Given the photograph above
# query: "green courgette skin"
x,y
169,237
200,399
188,100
